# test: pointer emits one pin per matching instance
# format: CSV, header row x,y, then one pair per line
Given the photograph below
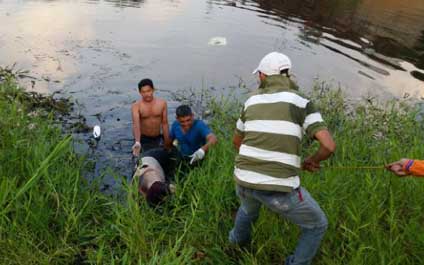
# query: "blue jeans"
x,y
297,206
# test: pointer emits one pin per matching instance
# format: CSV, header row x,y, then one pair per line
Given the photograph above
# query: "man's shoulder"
x,y
199,123
299,93
283,95
160,101
175,125
135,105
201,126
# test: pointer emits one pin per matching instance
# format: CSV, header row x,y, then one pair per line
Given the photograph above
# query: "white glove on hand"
x,y
198,155
136,148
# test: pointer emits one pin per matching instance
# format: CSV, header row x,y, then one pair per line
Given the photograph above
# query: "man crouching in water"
x,y
149,116
154,173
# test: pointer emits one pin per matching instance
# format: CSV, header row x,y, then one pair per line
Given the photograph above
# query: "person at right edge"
x,y
268,165
407,167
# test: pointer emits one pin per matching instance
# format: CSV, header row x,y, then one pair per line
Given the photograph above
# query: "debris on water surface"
x,y
96,132
217,41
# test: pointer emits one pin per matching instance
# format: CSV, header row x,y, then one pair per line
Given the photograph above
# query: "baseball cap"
x,y
273,63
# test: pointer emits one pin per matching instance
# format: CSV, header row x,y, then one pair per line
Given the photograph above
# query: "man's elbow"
x,y
326,141
331,147
237,142
213,140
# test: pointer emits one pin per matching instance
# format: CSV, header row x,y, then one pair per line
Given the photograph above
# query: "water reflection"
x,y
120,3
381,27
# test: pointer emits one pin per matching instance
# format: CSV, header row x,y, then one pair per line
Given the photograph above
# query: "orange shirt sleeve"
x,y
415,167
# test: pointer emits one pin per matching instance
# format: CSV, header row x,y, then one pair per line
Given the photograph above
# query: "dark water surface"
x,y
97,51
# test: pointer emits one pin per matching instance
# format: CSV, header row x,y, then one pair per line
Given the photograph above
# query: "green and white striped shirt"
x,y
272,124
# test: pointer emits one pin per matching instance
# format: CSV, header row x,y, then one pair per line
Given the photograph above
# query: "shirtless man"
x,y
149,116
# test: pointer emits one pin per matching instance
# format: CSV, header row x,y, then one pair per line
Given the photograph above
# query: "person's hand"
x,y
397,167
136,149
167,144
310,165
198,155
172,188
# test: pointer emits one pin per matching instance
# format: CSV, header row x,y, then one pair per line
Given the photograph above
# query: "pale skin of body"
x,y
149,116
311,163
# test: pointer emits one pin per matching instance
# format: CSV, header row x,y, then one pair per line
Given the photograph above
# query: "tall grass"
x,y
49,214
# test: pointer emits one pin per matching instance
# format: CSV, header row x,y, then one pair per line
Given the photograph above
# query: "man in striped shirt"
x,y
268,166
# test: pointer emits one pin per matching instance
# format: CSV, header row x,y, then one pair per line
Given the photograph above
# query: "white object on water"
x,y
218,41
97,132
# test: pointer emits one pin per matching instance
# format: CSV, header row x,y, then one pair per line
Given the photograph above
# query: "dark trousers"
x,y
149,142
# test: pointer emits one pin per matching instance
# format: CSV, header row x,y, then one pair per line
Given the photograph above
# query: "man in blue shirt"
x,y
193,136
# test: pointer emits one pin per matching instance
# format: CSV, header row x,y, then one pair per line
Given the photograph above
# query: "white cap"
x,y
273,63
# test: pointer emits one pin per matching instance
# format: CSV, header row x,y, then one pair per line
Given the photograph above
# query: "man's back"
x,y
272,123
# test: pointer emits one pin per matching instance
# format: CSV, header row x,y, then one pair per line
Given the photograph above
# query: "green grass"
x,y
49,215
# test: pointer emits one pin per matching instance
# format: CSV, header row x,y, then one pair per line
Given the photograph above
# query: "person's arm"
x,y
405,167
239,132
325,150
165,127
237,140
210,140
136,129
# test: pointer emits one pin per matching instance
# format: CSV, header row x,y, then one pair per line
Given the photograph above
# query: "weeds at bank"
x,y
48,214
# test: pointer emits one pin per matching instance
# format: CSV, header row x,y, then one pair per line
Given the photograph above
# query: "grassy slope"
x,y
49,216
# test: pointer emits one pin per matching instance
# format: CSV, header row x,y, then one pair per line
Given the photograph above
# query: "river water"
x,y
96,51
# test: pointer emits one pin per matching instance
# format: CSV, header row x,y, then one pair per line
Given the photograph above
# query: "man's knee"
x,y
250,212
321,225
324,223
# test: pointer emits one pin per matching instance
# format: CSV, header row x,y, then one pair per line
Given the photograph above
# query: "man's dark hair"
x,y
157,193
145,82
183,111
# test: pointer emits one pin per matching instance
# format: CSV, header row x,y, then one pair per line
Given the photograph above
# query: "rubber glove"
x,y
198,155
136,148
172,188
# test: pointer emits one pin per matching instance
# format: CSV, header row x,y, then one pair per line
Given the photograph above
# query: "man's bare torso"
x,y
151,115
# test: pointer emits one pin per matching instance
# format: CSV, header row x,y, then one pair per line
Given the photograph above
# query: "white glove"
x,y
172,188
136,148
198,155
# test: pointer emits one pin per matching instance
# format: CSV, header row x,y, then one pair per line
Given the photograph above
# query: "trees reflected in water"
x,y
388,27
